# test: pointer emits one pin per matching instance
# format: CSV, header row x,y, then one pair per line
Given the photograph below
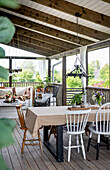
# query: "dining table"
x,y
37,117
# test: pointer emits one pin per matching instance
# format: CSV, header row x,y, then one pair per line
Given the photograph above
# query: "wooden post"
x,y
109,71
10,71
64,81
49,68
86,68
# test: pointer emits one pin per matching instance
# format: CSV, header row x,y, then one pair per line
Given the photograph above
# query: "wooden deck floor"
x,y
32,158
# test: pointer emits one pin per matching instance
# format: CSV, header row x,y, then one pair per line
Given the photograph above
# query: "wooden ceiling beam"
x,y
32,48
58,22
37,36
73,9
107,1
38,43
29,12
29,49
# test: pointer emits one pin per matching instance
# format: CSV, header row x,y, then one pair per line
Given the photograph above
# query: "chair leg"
x,y
78,143
98,145
90,136
107,143
23,143
40,142
83,150
69,148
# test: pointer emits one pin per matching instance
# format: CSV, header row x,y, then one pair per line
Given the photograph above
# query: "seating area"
x,y
54,85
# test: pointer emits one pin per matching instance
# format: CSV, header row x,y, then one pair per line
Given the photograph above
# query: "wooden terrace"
x,y
33,159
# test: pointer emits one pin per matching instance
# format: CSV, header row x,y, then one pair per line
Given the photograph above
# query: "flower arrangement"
x,y
98,96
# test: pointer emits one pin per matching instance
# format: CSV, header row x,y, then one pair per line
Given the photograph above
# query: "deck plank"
x,y
33,159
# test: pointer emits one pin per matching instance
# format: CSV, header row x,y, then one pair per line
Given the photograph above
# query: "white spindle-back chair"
x,y
102,126
76,122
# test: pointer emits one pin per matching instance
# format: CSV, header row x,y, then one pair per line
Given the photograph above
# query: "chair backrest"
x,y
51,89
77,120
20,115
103,118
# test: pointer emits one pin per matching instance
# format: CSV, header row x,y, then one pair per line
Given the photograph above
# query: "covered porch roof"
x,y
52,27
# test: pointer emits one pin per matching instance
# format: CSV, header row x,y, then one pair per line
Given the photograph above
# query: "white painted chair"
x,y
76,122
102,126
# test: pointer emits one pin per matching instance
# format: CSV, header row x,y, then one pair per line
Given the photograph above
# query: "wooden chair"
x,y
23,127
102,127
76,123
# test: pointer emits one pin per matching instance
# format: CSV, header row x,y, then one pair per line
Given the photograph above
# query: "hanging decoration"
x,y
79,69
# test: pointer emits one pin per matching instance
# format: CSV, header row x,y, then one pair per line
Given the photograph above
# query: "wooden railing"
x,y
70,92
20,84
90,91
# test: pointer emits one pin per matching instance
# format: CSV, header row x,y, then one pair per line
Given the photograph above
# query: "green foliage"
x,y
77,98
104,72
25,75
74,82
9,4
6,129
40,86
7,30
3,73
57,76
2,52
38,78
48,81
3,165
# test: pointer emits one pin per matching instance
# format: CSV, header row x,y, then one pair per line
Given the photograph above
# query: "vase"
x,y
98,102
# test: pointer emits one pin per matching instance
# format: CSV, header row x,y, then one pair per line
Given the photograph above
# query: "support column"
x,y
10,71
64,81
49,68
109,72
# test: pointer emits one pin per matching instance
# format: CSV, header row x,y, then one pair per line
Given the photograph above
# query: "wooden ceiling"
x,y
50,27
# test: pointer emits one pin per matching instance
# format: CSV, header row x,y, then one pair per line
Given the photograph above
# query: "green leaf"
x,y
3,166
7,30
6,129
2,52
9,4
3,73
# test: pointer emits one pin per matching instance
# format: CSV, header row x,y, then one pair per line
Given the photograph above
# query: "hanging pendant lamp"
x,y
79,69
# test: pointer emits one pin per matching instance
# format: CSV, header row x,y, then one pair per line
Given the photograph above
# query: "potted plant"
x,y
40,88
76,99
47,81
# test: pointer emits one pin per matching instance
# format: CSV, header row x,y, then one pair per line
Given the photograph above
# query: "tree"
x,y
57,76
38,78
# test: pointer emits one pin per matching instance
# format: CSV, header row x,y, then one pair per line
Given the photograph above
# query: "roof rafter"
x,y
72,9
34,48
63,24
38,43
29,12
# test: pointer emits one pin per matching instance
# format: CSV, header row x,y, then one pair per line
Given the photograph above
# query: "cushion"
x,y
27,93
20,91
3,92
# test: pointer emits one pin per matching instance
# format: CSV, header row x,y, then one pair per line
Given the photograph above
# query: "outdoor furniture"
x,y
76,123
23,127
49,96
102,126
54,91
8,110
46,116
42,99
19,92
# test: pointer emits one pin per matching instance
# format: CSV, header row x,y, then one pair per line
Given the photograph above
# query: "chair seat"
x,y
93,129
